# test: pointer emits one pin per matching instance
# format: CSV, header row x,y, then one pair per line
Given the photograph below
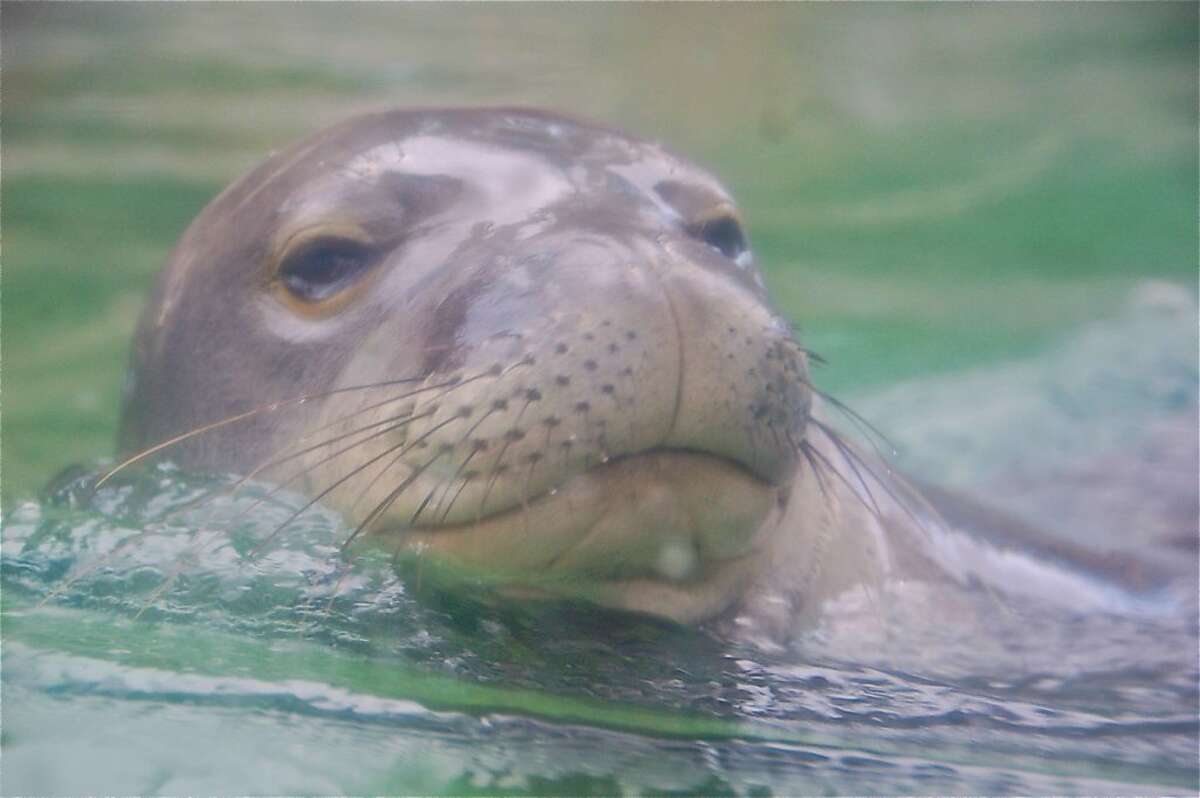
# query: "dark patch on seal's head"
x,y
443,345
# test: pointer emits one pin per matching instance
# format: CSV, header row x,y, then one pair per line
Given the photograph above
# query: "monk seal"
x,y
520,343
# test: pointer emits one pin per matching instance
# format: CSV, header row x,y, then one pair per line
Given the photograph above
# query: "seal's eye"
x,y
725,235
322,268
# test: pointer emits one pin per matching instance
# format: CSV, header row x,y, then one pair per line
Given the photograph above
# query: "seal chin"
x,y
667,532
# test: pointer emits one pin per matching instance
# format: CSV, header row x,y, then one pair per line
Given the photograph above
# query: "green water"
x,y
930,190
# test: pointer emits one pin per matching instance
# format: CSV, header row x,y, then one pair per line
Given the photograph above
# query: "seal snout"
x,y
557,366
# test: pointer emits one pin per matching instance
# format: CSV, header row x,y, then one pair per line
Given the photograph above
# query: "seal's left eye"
x,y
322,268
725,235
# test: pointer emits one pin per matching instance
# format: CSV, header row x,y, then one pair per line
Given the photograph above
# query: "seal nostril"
x,y
562,379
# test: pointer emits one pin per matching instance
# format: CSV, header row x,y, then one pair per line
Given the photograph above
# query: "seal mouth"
x,y
674,517
636,460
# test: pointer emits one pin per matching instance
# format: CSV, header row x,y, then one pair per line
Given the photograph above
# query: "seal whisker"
x,y
481,446
158,592
457,493
870,505
851,458
382,507
449,385
270,407
176,569
509,437
72,579
343,572
396,423
276,459
275,489
806,450
499,404
450,482
495,474
812,355
325,492
793,338
775,434
870,432
849,455
376,513
887,484
404,446
387,467
525,494
534,459
424,503
407,447
462,466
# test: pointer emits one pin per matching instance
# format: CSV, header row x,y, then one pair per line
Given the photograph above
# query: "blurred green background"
x,y
928,187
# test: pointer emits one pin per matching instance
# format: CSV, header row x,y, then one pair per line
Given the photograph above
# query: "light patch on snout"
x,y
677,560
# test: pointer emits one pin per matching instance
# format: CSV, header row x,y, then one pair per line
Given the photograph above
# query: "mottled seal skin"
x,y
530,345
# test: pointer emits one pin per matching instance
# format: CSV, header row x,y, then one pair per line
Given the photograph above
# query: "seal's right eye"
x,y
725,235
320,269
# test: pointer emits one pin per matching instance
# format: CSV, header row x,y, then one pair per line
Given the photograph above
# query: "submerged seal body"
x,y
521,343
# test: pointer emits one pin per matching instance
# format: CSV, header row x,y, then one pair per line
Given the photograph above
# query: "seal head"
x,y
518,342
